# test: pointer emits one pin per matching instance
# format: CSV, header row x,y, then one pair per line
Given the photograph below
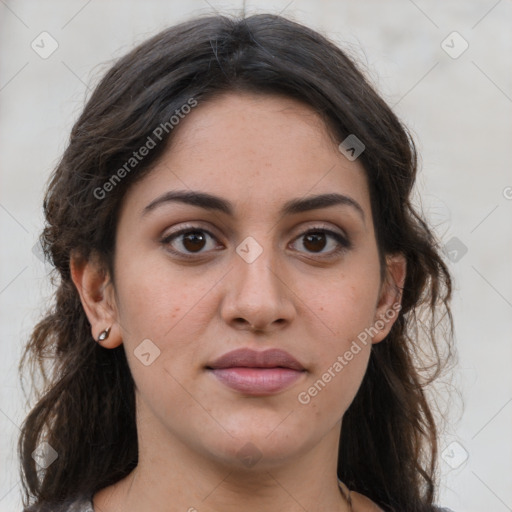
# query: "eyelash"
x,y
344,244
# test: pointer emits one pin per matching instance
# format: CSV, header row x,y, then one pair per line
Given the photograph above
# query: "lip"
x,y
257,372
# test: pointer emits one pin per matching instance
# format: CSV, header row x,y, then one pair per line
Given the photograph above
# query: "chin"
x,y
254,447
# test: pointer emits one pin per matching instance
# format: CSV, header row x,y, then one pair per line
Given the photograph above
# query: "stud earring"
x,y
103,335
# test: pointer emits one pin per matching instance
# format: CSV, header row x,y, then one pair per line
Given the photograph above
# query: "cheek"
x,y
153,299
343,311
171,309
340,364
345,306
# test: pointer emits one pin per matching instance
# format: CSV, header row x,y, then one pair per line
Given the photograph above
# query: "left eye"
x,y
315,240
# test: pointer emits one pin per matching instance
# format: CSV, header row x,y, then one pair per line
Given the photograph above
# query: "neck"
x,y
171,476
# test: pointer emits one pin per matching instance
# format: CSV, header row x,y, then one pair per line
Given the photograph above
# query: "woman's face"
x,y
279,271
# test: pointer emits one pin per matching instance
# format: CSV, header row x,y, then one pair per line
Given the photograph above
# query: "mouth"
x,y
257,373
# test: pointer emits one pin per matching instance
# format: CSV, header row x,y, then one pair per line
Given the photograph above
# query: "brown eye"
x,y
189,241
316,240
193,241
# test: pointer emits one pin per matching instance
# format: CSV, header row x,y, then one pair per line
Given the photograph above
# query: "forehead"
x,y
257,151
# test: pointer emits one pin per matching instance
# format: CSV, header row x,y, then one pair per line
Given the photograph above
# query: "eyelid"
x,y
319,225
187,227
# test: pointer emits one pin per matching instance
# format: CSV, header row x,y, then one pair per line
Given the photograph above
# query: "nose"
x,y
258,296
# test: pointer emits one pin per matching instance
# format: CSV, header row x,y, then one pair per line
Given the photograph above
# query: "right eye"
x,y
191,239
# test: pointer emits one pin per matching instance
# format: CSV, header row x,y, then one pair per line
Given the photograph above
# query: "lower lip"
x,y
257,381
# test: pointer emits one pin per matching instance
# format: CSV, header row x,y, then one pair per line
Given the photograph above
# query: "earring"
x,y
104,335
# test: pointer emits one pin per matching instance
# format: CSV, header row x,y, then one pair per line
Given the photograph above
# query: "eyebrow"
x,y
215,203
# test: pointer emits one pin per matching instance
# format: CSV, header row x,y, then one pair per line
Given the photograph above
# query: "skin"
x,y
258,152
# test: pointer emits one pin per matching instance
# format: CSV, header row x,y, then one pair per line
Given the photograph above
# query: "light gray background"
x,y
459,109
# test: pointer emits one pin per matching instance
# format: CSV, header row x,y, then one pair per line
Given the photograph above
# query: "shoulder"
x,y
77,504
361,503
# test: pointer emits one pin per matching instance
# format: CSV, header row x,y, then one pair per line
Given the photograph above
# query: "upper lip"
x,y
244,357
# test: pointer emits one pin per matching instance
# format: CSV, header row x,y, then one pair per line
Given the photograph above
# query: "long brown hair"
x,y
85,409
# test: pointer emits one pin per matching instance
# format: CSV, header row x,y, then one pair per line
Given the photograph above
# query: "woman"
x,y
241,280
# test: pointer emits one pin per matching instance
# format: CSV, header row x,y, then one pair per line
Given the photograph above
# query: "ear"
x,y
390,296
97,296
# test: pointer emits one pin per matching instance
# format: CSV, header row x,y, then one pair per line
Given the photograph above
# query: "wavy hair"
x,y
85,404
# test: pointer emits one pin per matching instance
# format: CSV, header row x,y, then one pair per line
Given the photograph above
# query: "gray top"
x,y
84,504
81,504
